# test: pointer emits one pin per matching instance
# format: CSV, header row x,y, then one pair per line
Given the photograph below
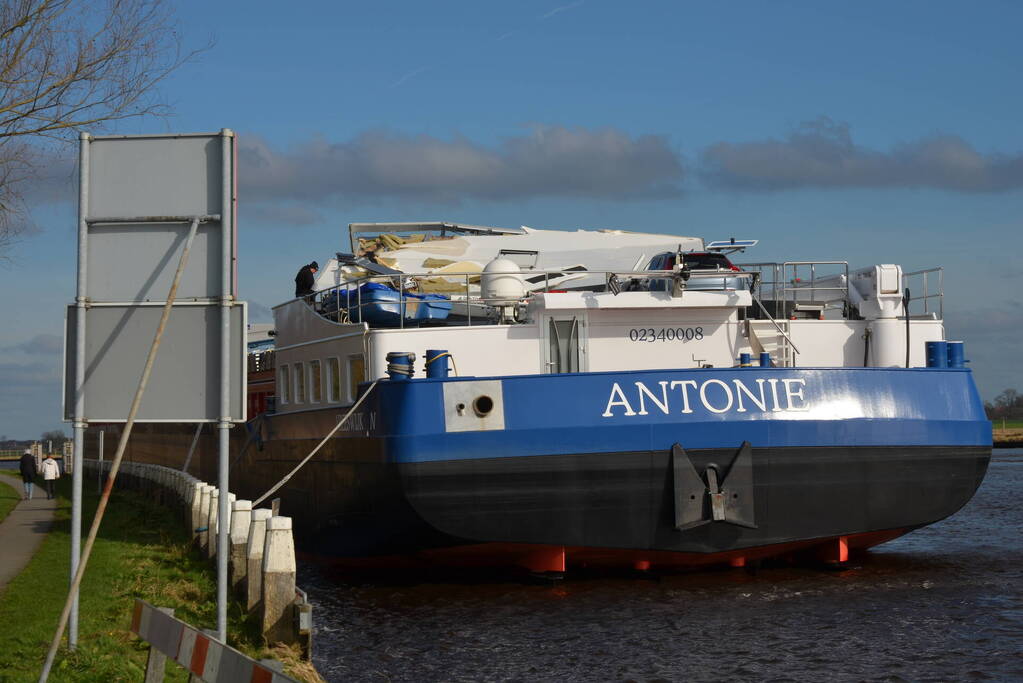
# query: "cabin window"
x,y
299,382
315,382
284,384
334,380
356,374
524,258
563,339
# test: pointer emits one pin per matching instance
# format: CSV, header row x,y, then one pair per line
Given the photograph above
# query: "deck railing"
x,y
808,282
931,282
344,302
260,361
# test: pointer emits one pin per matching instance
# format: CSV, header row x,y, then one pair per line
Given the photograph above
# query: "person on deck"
x,y
50,471
305,279
28,472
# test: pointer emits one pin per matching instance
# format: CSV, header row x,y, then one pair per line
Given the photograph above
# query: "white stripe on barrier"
x,y
207,658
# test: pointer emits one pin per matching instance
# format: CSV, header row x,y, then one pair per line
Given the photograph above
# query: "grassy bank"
x,y
142,552
10,494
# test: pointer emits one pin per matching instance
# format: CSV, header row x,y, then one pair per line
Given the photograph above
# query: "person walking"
x,y
50,471
28,472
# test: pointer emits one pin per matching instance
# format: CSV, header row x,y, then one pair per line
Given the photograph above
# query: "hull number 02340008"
x,y
650,334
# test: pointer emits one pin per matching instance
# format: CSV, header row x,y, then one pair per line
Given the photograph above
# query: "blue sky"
x,y
868,132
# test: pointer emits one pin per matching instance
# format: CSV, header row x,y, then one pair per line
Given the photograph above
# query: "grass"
x,y
1009,424
143,552
9,496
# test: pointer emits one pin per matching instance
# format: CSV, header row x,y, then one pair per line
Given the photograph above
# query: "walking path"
x,y
23,530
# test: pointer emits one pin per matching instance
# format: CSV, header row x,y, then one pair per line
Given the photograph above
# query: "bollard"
x,y
278,622
211,524
254,558
204,516
192,509
241,514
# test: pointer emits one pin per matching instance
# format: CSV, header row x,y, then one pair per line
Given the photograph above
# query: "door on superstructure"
x,y
565,350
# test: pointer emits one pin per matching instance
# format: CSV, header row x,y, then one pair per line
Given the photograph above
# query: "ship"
x,y
660,404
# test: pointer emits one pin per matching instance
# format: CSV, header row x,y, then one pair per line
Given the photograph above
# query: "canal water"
x,y
942,603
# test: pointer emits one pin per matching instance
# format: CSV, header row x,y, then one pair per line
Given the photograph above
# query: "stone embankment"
x,y
261,565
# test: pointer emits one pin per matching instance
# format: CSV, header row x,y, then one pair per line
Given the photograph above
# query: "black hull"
x,y
349,502
627,500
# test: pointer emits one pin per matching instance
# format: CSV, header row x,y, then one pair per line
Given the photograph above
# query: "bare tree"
x,y
57,436
70,64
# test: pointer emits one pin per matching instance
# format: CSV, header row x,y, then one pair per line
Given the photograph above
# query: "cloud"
x,y
562,8
280,214
410,75
822,154
39,174
548,161
260,313
989,333
1004,323
40,345
29,375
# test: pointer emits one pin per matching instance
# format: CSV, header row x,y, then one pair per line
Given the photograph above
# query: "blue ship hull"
x,y
599,464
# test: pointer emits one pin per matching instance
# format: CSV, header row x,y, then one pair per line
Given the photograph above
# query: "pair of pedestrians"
x,y
50,471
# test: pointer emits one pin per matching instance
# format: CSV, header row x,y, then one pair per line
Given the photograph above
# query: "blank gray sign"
x,y
185,382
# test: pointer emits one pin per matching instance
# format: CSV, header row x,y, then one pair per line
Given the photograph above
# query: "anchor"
x,y
713,497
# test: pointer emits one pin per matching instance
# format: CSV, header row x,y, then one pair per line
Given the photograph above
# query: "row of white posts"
x,y
261,566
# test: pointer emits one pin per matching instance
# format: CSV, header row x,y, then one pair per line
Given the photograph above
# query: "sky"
x,y
870,132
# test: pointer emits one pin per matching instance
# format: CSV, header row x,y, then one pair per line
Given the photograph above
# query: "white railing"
x,y
932,282
793,282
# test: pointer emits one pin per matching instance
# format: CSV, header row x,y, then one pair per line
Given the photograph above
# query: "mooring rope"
x,y
307,458
401,362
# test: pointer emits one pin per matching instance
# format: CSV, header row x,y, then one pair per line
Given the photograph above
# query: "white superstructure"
x,y
700,319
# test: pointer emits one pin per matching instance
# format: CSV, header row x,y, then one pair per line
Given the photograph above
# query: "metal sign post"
x,y
223,475
142,200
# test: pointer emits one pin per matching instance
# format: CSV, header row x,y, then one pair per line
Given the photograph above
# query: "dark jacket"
x,y
28,467
304,281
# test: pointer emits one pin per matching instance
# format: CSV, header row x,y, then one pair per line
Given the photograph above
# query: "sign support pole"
x,y
78,447
226,280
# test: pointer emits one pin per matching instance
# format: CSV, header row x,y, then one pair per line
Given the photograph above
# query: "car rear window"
x,y
695,261
698,261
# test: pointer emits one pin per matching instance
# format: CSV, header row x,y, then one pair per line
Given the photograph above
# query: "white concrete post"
x,y
254,558
215,522
241,514
278,582
203,515
211,523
